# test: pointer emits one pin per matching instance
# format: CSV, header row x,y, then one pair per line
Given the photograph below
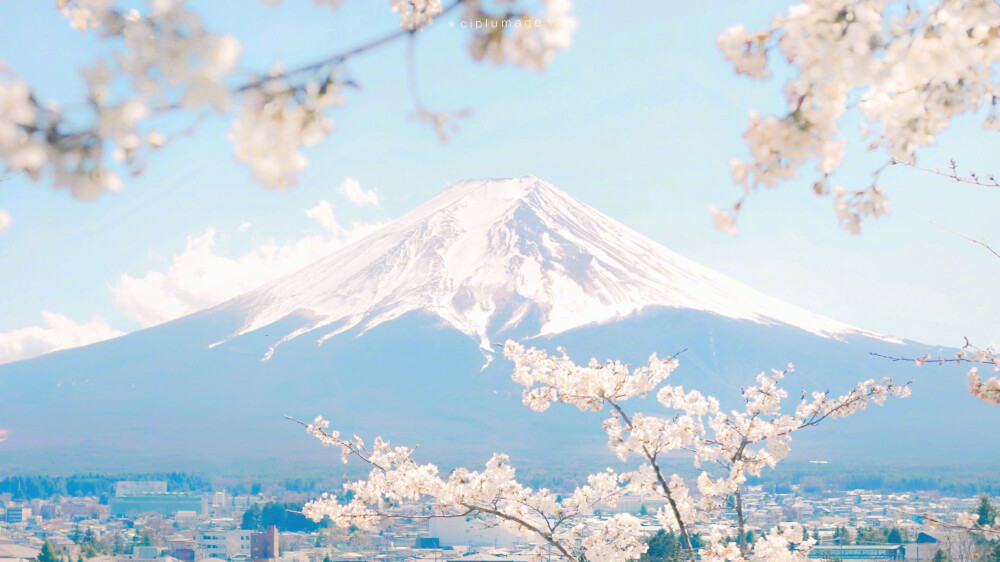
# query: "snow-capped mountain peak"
x,y
485,255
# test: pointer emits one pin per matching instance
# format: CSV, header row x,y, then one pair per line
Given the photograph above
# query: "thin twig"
x,y
981,242
973,178
341,57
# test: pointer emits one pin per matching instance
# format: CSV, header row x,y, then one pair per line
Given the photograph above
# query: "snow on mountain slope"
x,y
483,255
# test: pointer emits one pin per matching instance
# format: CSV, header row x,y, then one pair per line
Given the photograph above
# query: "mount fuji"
x,y
394,335
484,255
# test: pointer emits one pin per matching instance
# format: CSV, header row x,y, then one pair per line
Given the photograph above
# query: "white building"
x,y
461,531
224,544
134,488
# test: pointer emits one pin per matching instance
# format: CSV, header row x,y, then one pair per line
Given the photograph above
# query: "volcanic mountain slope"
x,y
387,336
484,255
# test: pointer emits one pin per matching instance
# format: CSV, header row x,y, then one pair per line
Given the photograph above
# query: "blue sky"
x,y
636,119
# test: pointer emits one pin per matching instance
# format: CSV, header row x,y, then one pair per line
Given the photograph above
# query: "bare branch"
x,y
953,174
967,354
981,242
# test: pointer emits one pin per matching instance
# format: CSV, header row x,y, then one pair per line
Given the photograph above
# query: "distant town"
x,y
95,520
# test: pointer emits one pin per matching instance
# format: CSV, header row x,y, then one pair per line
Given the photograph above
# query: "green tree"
x,y
286,517
940,556
143,538
894,536
986,511
118,547
251,519
993,555
663,547
48,553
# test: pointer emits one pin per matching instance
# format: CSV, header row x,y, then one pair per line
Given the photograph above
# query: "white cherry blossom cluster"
x,y
275,121
397,486
416,14
615,539
777,546
168,52
167,58
907,71
85,14
727,447
521,38
33,142
559,379
988,391
784,544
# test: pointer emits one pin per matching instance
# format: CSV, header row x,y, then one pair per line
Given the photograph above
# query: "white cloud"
x,y
351,189
322,213
200,277
58,332
4,220
244,226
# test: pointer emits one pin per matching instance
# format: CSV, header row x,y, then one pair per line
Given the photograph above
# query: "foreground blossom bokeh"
x,y
169,63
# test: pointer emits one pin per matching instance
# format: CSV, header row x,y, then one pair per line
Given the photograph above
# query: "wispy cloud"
x,y
323,214
351,189
57,332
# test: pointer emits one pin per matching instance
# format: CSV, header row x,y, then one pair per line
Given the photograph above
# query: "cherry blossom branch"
x,y
664,486
354,447
547,537
342,57
396,477
858,396
987,391
968,353
734,443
